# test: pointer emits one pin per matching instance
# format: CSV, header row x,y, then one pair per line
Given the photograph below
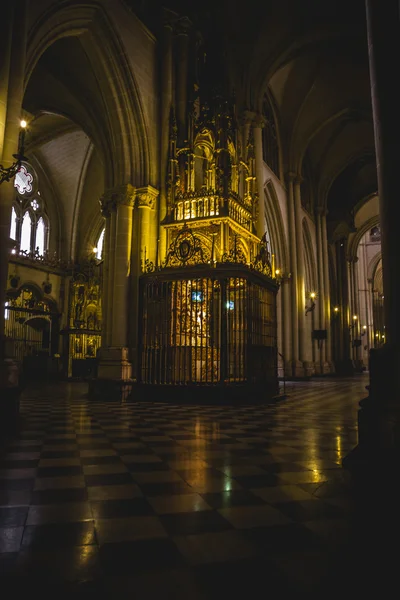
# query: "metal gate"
x,y
28,325
217,328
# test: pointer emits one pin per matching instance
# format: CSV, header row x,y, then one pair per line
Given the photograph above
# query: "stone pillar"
x,y
106,274
166,106
327,298
182,28
304,344
13,35
379,418
321,365
343,362
13,69
355,323
115,368
258,151
285,291
143,249
296,367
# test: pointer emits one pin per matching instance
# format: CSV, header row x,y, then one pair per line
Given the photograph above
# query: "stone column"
x,y
143,248
182,28
343,362
285,291
258,124
321,365
11,88
304,344
327,299
115,369
13,35
379,418
106,274
356,312
166,106
296,367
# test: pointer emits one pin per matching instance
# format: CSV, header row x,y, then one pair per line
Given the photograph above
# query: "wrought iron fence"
x,y
207,326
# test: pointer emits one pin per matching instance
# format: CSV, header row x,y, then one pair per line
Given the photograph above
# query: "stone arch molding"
x,y
309,259
275,226
128,132
373,266
357,237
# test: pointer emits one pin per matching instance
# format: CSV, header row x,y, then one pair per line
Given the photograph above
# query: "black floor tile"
x,y
282,467
136,557
165,489
147,467
57,535
195,522
18,464
133,507
100,460
60,454
13,516
242,579
47,567
281,538
111,479
61,496
231,498
309,510
7,564
58,471
258,481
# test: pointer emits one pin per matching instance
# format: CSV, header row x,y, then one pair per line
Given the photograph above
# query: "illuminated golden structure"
x,y
83,334
207,314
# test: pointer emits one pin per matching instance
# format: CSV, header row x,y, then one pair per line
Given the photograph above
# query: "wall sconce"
x,y
355,319
7,173
364,330
335,310
311,305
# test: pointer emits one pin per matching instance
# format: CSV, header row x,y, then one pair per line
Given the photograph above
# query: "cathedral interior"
x,y
198,266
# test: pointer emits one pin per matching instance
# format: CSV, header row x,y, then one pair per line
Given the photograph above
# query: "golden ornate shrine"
x,y
208,313
83,334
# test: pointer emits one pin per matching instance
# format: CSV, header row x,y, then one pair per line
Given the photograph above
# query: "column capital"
x,y
122,194
298,179
320,211
290,176
146,197
259,120
183,26
247,117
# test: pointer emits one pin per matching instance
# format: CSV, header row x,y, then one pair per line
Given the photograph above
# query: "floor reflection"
x,y
154,496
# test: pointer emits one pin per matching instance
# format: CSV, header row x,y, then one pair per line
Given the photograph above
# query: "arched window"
x,y
25,242
270,137
13,225
100,245
29,225
40,235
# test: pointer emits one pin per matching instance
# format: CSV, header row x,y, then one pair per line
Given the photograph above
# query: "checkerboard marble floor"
x,y
153,500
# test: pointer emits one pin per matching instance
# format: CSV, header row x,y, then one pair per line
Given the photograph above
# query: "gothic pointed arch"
x,y
274,222
309,260
126,146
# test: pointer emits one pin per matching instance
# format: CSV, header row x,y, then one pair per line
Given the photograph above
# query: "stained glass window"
x,y
40,234
13,226
25,243
100,244
23,181
29,226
